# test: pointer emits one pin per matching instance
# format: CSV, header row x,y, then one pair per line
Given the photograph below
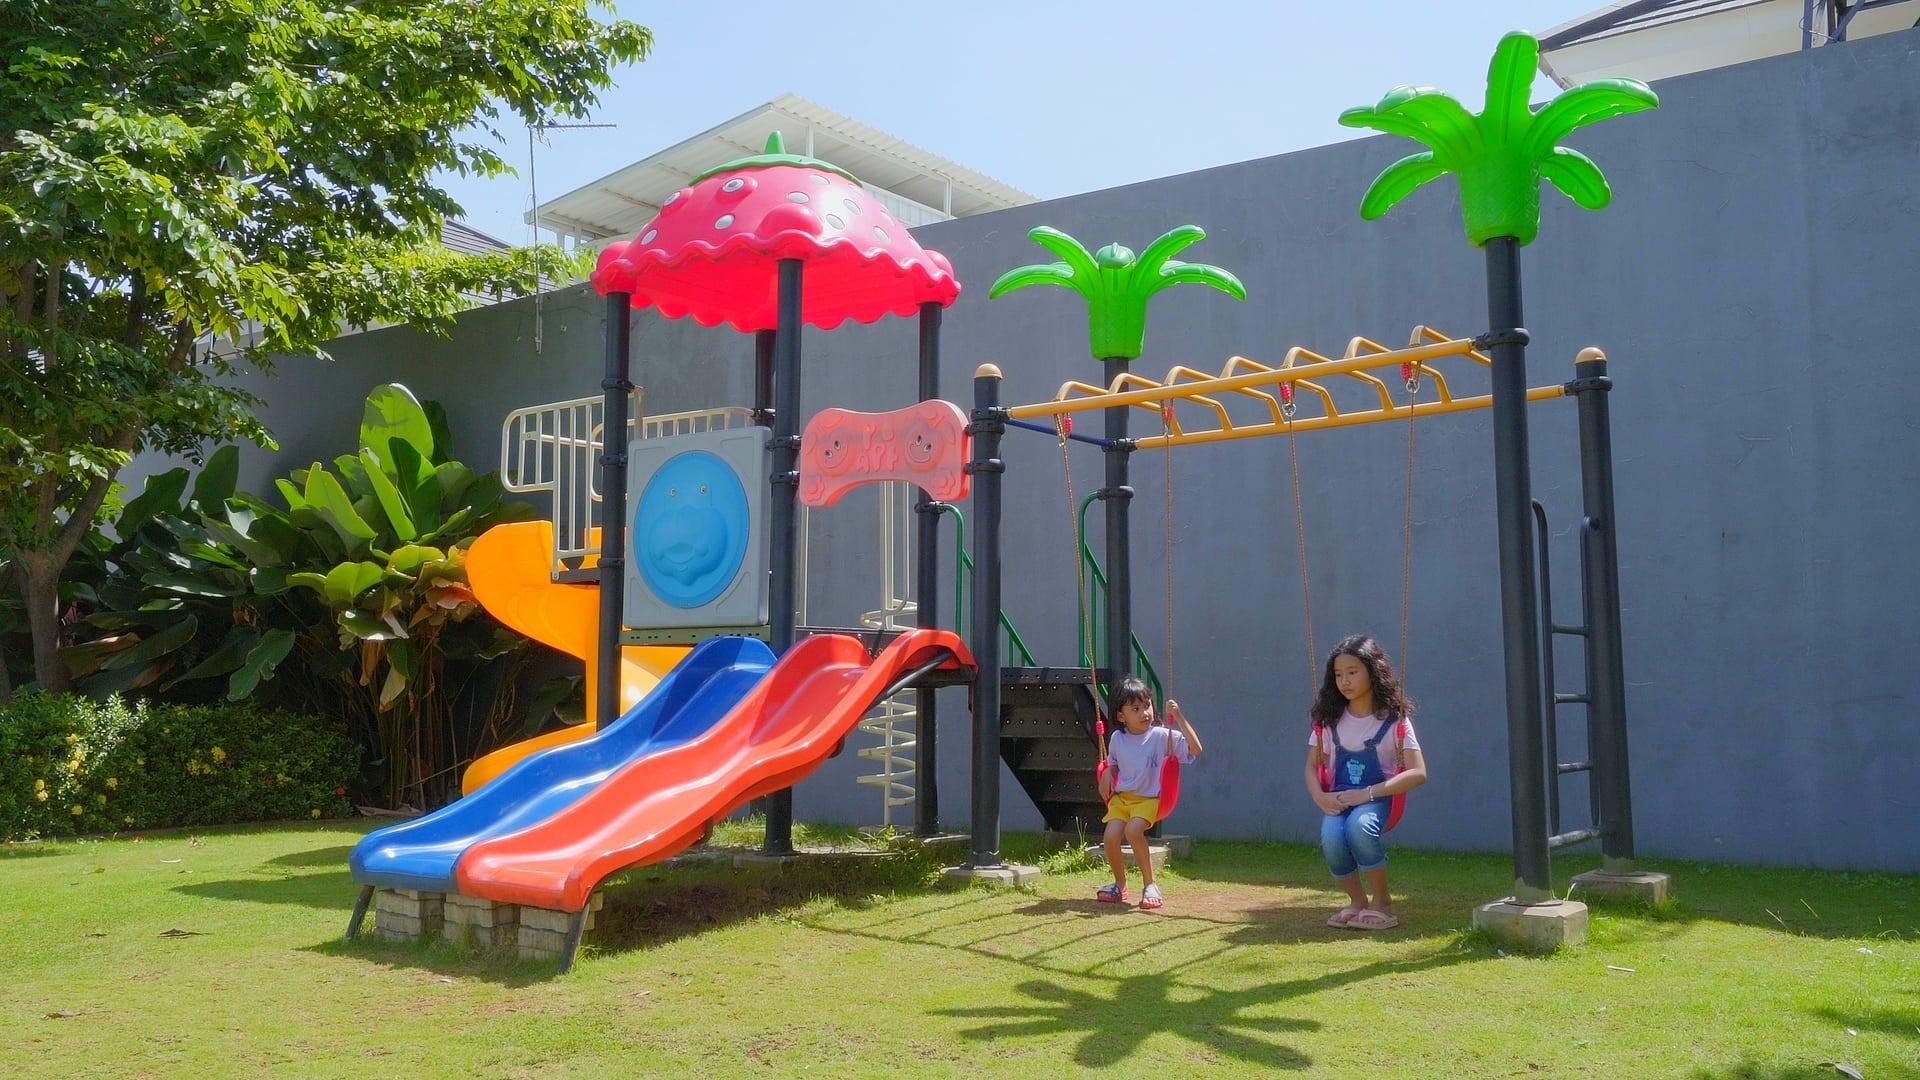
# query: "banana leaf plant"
x,y
358,575
1116,284
1504,152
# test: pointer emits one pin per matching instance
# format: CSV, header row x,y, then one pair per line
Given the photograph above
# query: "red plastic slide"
x,y
663,803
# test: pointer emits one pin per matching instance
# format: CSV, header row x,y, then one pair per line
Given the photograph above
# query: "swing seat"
x,y
1169,780
1396,806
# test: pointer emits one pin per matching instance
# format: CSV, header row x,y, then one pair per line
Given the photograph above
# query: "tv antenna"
x,y
538,130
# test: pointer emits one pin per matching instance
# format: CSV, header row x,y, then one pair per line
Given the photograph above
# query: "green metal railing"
x,y
1098,595
963,573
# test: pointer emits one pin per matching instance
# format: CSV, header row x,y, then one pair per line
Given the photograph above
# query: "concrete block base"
x,y
542,933
1178,845
401,915
1534,927
1157,854
1644,885
480,924
1059,840
955,843
1007,874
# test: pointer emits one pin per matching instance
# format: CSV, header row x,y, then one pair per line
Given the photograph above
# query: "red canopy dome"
x,y
712,250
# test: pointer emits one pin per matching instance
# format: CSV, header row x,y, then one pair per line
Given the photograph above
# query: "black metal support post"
x,y
785,521
926,598
1606,674
763,377
1519,603
988,426
762,417
613,506
1117,496
359,912
576,929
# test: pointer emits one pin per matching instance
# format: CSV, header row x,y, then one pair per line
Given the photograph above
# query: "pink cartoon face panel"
x,y
925,444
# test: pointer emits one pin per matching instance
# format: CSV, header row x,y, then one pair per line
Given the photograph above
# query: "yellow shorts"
x,y
1126,806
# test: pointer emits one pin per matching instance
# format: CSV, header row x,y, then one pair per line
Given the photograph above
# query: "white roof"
x,y
620,202
1657,39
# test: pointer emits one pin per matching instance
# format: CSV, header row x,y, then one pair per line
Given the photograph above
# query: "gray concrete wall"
x,y
1754,285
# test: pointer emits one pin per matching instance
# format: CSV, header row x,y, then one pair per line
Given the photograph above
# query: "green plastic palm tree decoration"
x,y
1116,284
1502,154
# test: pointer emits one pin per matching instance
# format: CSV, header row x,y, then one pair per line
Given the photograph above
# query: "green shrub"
x,y
72,765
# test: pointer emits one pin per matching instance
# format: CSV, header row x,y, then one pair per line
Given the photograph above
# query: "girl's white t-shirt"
x,y
1354,731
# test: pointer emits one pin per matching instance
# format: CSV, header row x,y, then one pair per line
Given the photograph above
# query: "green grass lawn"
x,y
877,970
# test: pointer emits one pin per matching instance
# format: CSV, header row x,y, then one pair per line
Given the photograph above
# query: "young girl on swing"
x,y
1363,737
1132,784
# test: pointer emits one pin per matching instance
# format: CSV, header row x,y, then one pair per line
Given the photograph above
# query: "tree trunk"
x,y
40,589
6,681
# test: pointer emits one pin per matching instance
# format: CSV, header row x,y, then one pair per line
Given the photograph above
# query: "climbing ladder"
x,y
1554,699
893,721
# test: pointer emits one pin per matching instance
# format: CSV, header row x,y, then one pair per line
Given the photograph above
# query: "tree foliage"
x,y
187,185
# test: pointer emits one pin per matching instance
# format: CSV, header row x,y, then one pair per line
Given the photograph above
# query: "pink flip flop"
x,y
1111,894
1343,916
1373,920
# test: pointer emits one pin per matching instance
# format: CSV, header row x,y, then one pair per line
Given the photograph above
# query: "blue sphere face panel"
x,y
697,534
690,529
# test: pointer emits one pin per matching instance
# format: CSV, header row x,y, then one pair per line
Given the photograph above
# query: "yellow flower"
x,y
39,785
102,798
142,762
218,755
41,794
71,739
316,811
112,783
77,811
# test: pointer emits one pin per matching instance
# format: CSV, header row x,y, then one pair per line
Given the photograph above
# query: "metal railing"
x,y
555,448
1098,593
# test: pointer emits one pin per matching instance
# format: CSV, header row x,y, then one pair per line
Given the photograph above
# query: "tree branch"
x,y
80,518
136,310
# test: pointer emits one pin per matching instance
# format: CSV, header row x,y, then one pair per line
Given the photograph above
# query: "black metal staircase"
x,y
1047,739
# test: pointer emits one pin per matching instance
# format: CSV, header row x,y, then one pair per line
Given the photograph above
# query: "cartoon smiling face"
x,y
690,529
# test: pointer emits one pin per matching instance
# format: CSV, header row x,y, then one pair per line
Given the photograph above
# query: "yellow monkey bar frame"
x,y
1302,368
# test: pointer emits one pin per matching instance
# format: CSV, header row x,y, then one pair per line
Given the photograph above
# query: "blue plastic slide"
x,y
700,690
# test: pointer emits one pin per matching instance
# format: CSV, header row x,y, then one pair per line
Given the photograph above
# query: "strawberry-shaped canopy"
x,y
713,249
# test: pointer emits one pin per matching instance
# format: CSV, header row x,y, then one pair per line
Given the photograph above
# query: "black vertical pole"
x,y
1518,596
762,417
1606,674
763,377
926,597
989,423
1117,496
613,505
786,485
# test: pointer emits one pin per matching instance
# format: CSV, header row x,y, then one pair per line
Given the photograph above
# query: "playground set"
x,y
707,688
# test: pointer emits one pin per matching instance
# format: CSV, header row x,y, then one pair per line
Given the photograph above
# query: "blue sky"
x,y
1053,97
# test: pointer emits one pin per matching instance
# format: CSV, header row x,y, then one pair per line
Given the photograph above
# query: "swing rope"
x,y
1410,373
1062,427
1166,453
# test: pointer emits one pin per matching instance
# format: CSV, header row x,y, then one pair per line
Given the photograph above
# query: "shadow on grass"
x,y
1816,903
1756,1071
34,850
333,857
1067,943
326,891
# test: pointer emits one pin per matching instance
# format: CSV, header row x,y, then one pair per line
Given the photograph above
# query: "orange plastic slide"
x,y
660,804
509,568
